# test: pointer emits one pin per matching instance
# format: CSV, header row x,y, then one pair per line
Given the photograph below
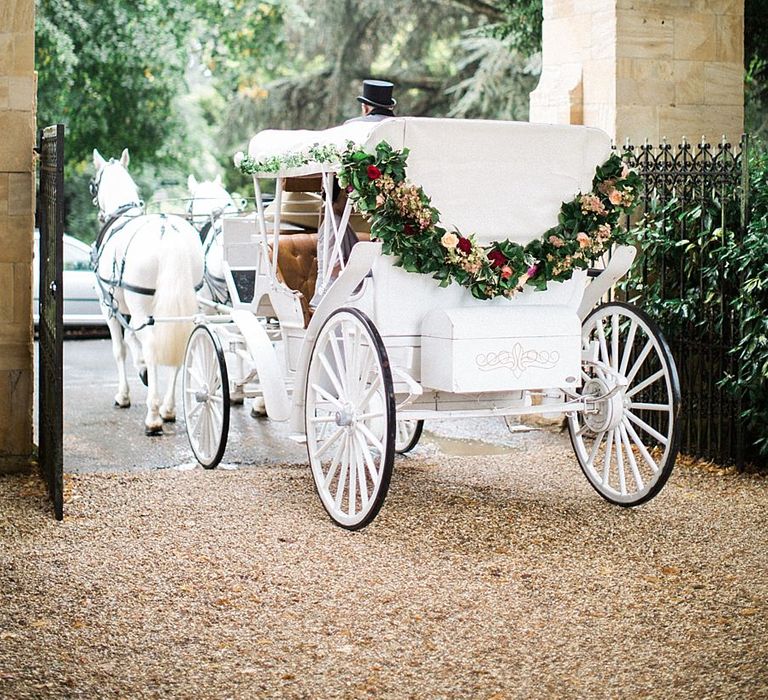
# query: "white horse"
x,y
148,267
208,203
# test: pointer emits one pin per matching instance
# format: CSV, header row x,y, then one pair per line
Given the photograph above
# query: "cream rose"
x,y
449,240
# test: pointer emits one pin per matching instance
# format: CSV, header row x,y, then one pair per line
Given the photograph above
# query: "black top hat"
x,y
377,93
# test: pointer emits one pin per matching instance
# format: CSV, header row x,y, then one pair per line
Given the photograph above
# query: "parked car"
x,y
81,301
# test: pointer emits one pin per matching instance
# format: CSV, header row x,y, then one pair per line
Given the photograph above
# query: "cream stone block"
x,y
602,116
603,43
22,92
15,410
644,92
5,102
644,35
565,39
22,285
24,53
645,69
730,38
695,122
720,7
17,142
16,238
637,123
3,194
17,15
655,6
6,52
689,83
599,82
723,84
695,37
19,193
7,295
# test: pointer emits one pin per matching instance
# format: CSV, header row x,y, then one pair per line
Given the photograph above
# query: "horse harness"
x,y
108,285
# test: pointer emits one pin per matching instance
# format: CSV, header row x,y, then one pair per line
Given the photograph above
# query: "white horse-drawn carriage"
x,y
389,346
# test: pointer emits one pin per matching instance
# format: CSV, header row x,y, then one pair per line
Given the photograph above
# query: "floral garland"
x,y
314,154
402,217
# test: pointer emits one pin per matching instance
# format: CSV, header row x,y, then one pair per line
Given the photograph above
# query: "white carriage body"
x,y
494,180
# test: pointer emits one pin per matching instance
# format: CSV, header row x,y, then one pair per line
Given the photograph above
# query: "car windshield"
x,y
75,258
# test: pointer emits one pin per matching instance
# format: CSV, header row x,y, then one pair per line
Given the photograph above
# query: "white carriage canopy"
x,y
496,179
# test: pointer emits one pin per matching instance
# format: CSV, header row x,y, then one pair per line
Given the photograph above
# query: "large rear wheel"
x,y
205,391
350,418
626,444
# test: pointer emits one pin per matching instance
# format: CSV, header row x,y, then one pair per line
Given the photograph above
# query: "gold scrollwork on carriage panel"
x,y
516,360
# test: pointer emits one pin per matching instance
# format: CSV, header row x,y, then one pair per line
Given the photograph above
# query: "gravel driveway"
x,y
488,576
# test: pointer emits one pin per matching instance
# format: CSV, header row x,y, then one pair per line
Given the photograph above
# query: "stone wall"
x,y
17,140
644,68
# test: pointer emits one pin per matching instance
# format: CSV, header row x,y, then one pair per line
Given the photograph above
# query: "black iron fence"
x,y
695,199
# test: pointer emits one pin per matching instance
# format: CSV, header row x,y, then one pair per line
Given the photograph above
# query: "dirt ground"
x,y
487,576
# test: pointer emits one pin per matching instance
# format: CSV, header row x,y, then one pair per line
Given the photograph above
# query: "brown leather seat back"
x,y
297,266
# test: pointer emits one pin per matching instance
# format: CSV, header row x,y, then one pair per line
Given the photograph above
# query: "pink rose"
x,y
506,272
583,239
615,197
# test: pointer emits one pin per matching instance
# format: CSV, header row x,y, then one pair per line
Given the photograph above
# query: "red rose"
x,y
373,172
497,258
408,230
464,245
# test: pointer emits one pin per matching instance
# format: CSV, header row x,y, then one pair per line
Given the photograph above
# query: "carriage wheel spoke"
x,y
620,462
321,450
651,406
640,445
361,480
647,428
331,375
639,361
352,460
646,382
341,368
631,456
372,439
328,396
333,466
615,341
343,475
595,448
628,347
607,460
368,460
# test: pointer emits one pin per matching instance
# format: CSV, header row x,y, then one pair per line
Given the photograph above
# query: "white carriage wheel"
x,y
350,418
627,444
407,434
205,390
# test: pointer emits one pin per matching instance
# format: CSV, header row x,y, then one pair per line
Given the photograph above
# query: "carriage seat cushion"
x,y
496,179
297,266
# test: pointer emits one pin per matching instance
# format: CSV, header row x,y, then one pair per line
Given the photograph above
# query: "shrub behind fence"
x,y
694,207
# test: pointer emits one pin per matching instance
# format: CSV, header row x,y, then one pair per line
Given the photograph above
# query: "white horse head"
x,y
112,188
209,200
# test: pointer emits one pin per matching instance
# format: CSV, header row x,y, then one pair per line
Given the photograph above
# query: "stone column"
x,y
17,140
644,68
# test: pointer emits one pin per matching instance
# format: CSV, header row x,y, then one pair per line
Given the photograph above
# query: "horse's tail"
x,y
175,293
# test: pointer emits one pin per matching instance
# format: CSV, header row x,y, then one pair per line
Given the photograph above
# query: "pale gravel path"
x,y
492,577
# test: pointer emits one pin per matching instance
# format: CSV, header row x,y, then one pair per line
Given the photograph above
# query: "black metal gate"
x,y
692,194
50,221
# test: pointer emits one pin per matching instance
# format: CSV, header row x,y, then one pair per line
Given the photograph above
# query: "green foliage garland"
x,y
403,218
